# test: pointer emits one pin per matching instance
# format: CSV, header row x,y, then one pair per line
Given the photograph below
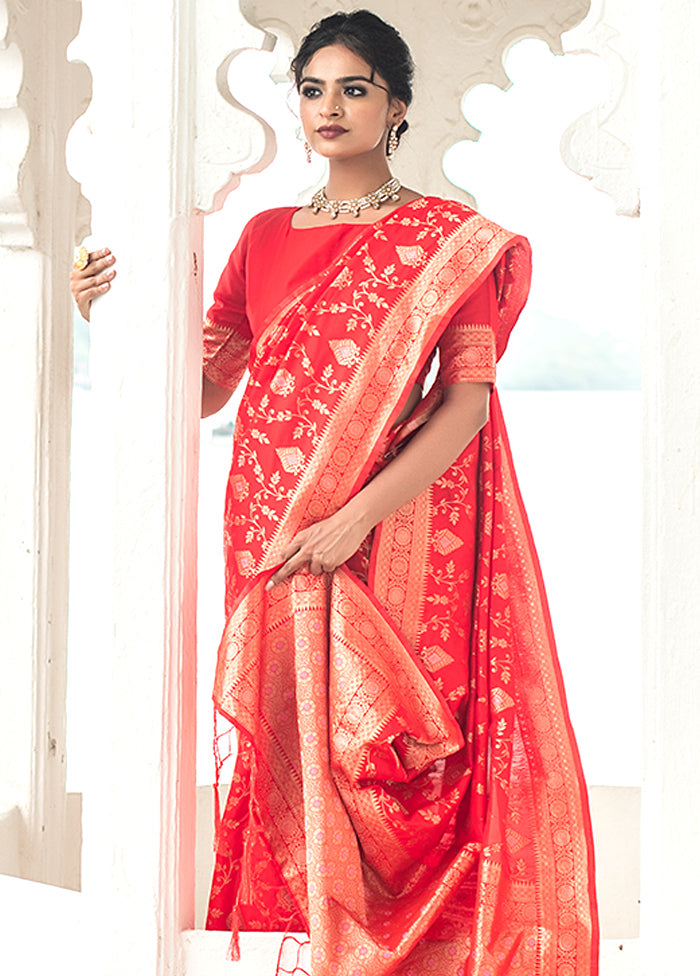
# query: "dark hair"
x,y
373,40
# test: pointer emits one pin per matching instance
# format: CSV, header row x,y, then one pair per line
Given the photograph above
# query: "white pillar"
x,y
39,94
670,202
158,72
138,807
138,823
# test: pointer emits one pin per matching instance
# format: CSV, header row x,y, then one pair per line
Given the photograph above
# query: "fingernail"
x,y
269,585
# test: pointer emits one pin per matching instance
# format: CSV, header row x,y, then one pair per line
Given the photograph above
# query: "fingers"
x,y
286,570
319,564
97,261
97,271
315,561
93,280
92,286
322,547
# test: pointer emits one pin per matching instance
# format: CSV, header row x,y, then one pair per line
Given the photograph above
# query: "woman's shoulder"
x,y
268,220
261,227
273,215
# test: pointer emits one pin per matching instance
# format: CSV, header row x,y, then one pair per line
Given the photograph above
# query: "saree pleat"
x,y
408,783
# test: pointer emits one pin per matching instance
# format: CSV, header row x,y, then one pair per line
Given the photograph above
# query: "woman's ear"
x,y
397,112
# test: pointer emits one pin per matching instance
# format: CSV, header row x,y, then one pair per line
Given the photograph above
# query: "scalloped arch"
x,y
40,92
599,145
14,138
465,42
227,143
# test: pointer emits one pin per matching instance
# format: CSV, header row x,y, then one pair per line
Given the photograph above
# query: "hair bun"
x,y
373,40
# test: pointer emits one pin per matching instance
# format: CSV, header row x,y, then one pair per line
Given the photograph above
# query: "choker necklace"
x,y
387,191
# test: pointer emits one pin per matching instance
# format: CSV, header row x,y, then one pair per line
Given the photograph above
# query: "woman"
x,y
407,788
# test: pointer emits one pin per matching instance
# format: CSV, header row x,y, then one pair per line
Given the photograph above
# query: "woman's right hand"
x,y
94,280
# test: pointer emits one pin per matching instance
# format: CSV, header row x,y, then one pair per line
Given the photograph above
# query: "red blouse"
x,y
272,259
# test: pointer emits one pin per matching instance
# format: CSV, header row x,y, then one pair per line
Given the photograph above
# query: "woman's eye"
x,y
310,92
355,91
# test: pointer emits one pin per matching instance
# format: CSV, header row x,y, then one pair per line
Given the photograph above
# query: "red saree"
x,y
408,789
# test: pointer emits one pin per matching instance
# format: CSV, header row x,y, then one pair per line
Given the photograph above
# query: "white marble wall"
x,y
668,137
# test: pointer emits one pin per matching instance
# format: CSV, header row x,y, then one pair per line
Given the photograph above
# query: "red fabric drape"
x,y
408,789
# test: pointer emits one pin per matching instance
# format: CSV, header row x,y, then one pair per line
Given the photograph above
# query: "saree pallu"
x,y
408,789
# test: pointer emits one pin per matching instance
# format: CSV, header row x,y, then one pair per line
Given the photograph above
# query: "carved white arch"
x,y
228,139
464,47
14,138
30,107
227,143
599,144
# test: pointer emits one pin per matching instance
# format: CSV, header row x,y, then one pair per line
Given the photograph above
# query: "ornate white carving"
x,y
457,44
598,145
229,139
227,143
41,94
14,139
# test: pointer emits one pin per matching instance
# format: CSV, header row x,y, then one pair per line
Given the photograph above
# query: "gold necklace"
x,y
387,191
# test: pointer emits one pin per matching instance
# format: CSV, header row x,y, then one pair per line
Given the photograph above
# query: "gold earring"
x,y
307,150
393,142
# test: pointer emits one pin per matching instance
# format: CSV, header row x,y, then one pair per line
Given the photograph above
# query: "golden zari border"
x,y
542,710
226,354
400,563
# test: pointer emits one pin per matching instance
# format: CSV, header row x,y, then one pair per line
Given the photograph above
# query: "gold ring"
x,y
81,259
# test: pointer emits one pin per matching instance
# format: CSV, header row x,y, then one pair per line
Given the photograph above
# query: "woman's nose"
x,y
329,106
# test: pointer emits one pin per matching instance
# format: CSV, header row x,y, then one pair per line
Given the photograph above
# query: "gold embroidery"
x,y
369,395
412,255
400,564
468,354
321,676
447,542
345,351
292,458
225,354
282,382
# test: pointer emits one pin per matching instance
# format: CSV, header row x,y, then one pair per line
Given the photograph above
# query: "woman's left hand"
x,y
323,546
93,280
427,455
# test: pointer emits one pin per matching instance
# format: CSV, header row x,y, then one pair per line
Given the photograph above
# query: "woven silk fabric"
x,y
408,789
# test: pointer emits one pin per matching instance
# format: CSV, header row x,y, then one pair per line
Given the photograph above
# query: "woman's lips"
x,y
331,131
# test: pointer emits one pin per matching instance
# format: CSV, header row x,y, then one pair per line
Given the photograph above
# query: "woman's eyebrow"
x,y
341,81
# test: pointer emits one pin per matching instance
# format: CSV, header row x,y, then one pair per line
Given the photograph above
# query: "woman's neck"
x,y
353,178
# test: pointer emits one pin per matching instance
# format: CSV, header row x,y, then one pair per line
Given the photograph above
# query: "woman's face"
x,y
344,112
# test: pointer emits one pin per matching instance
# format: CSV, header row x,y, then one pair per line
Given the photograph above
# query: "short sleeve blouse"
x,y
272,259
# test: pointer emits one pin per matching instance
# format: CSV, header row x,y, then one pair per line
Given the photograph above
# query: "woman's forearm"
x,y
429,453
213,397
327,544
